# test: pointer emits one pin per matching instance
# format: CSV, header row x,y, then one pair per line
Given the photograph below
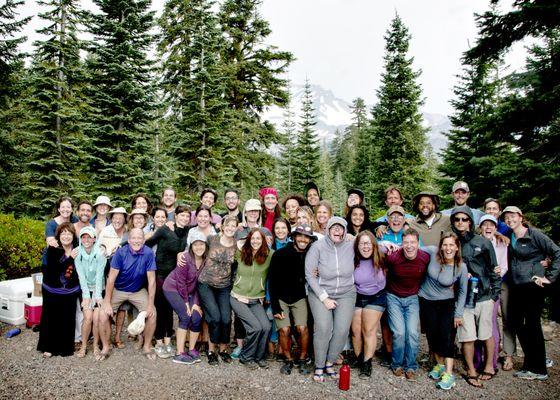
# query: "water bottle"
x,y
472,293
13,332
344,380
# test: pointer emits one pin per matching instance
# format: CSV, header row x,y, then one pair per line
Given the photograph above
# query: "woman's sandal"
x,y
96,351
473,381
486,376
81,353
319,377
507,365
118,344
101,356
331,372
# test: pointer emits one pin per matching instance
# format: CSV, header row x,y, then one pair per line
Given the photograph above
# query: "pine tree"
x,y
52,140
347,154
122,91
306,151
398,138
287,161
194,85
255,80
11,74
326,176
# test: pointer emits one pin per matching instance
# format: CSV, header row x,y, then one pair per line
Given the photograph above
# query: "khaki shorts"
x,y
299,314
138,299
477,322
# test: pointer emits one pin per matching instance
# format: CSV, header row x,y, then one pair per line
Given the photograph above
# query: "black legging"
x,y
164,319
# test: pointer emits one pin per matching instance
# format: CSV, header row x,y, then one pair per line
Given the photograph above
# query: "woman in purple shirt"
x,y
369,278
180,290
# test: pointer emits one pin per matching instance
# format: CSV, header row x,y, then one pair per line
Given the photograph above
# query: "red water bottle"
x,y
344,380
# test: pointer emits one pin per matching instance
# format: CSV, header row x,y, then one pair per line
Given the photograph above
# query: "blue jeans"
x,y
404,318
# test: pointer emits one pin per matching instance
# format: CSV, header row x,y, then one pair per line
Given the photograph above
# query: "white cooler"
x,y
12,296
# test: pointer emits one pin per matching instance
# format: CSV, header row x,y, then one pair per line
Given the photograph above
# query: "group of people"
x,y
303,284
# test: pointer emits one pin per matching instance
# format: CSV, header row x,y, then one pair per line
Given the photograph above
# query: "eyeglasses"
x,y
462,219
365,244
396,217
231,198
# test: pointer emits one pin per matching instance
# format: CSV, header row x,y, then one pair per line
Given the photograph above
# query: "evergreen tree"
x,y
306,151
122,92
52,140
194,85
326,176
347,155
11,74
255,80
397,137
287,160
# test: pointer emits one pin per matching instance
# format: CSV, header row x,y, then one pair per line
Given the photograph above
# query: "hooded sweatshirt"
x,y
90,267
479,256
335,263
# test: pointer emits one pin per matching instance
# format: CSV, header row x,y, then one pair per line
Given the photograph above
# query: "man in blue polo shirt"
x,y
131,266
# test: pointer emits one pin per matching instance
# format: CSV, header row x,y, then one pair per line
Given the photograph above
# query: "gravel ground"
x,y
126,373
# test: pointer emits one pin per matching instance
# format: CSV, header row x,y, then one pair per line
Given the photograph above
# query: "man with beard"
x,y
429,223
85,210
286,279
168,200
231,200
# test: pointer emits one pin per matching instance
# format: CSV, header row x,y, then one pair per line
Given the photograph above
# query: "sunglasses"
x,y
462,219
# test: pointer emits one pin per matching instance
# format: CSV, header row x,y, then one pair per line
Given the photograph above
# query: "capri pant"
x,y
187,322
437,320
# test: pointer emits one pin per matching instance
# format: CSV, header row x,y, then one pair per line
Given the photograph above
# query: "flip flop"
x,y
102,356
81,353
507,365
486,376
150,355
118,344
470,380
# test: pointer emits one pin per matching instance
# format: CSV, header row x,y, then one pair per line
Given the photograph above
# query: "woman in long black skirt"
x,y
61,289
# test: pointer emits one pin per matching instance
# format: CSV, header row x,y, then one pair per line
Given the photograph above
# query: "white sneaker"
x,y
161,352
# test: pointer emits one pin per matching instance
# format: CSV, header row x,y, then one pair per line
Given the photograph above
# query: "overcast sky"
x,y
339,44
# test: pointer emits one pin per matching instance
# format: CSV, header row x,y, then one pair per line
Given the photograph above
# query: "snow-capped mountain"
x,y
334,113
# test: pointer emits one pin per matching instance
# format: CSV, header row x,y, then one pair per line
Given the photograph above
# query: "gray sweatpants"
x,y
509,335
257,327
331,326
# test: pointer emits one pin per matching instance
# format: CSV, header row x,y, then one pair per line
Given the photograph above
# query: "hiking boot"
x,y
195,355
437,372
213,358
263,364
224,355
286,369
365,369
410,375
183,358
398,372
446,382
303,367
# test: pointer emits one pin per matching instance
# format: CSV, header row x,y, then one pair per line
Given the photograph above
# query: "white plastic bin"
x,y
12,296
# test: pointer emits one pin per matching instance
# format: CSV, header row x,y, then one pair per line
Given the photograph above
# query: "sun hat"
x,y
138,211
102,200
303,229
253,205
118,210
512,209
136,327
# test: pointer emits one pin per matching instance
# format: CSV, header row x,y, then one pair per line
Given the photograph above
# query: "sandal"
x,y
150,355
81,353
319,377
96,351
473,381
486,376
331,372
102,356
118,344
507,365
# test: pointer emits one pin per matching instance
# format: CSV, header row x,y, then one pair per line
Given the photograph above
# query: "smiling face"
x,y
208,199
138,221
84,213
410,246
229,229
323,215
301,242
256,241
460,196
118,220
65,209
336,233
513,220
462,222
291,209
141,203
252,216
357,217
136,239
270,202
66,237
493,209
198,248
160,219
393,198
426,207
449,249
183,219
488,229
353,200
313,197
203,219
365,246
302,218
232,201
102,209
280,230
168,199
87,242
396,221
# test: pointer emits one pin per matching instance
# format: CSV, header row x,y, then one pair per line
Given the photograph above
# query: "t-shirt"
x,y
132,267
217,269
368,279
404,276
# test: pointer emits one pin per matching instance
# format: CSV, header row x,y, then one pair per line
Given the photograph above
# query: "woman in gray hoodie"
x,y
329,270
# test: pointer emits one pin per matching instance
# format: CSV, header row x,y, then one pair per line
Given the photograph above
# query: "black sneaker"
x,y
302,367
224,355
286,369
365,369
263,364
249,364
213,358
356,362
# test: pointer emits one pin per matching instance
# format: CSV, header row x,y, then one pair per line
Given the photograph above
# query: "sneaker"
x,y
549,363
161,352
398,372
263,364
365,369
224,355
213,358
447,382
531,376
410,375
303,367
183,358
170,349
387,360
437,372
236,352
286,369
355,362
249,364
195,355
